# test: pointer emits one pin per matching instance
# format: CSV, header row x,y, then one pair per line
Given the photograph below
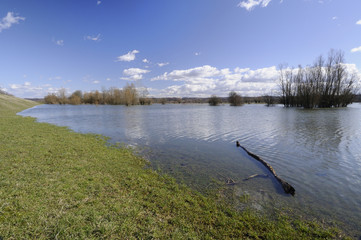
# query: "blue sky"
x,y
187,48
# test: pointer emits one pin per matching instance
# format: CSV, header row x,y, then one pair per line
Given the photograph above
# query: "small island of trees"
x,y
234,99
325,84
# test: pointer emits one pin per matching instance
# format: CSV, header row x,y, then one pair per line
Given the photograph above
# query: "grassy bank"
x,y
58,184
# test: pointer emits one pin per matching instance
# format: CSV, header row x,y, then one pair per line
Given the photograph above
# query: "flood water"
x,y
317,151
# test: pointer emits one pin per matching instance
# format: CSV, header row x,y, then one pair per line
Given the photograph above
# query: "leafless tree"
x,y
214,100
326,83
235,99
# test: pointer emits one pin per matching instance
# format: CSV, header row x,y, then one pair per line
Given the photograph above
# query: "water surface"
x,y
316,151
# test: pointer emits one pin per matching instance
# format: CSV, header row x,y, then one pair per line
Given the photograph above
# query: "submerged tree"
x,y
235,99
326,83
269,100
214,100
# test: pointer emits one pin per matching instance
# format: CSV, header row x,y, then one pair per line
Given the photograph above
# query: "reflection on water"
x,y
316,151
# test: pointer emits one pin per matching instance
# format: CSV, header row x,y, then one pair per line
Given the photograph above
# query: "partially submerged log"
x,y
285,185
255,175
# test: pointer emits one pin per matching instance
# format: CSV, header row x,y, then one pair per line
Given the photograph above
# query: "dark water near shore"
x,y
317,151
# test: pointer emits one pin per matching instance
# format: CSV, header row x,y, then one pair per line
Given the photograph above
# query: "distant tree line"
x,y
234,99
129,95
325,84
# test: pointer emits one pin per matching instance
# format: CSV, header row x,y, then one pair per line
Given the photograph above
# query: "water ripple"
x,y
317,151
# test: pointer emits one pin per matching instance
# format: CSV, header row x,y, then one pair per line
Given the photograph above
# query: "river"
x,y
317,151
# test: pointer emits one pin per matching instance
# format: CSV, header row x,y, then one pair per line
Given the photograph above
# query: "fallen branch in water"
x,y
230,181
285,185
255,175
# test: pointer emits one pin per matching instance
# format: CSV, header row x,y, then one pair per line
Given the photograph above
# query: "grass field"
x,y
58,184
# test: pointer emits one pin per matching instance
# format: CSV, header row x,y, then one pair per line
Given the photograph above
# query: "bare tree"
x,y
269,100
325,84
62,99
235,99
214,100
130,95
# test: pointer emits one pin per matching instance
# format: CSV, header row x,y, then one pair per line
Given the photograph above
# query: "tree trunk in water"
x,y
285,185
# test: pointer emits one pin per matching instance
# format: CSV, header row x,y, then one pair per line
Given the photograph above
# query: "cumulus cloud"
x,y
162,64
193,74
27,90
250,4
206,80
145,60
93,38
130,56
9,20
352,69
357,49
358,22
134,74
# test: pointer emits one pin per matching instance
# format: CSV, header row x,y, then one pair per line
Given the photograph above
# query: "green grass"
x,y
58,184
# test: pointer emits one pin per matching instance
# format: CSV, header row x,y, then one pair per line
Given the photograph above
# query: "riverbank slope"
x,y
58,184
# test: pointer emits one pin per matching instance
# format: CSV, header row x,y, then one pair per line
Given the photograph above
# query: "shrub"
x,y
214,100
235,99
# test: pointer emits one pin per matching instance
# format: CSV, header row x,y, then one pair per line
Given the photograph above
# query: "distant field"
x,y
58,184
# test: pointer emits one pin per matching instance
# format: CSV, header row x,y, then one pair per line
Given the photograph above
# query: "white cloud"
x,y
93,38
258,75
108,79
130,56
250,4
357,49
99,2
134,74
197,53
206,80
192,74
54,78
145,60
133,71
96,82
59,42
9,20
334,18
27,90
358,22
162,64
